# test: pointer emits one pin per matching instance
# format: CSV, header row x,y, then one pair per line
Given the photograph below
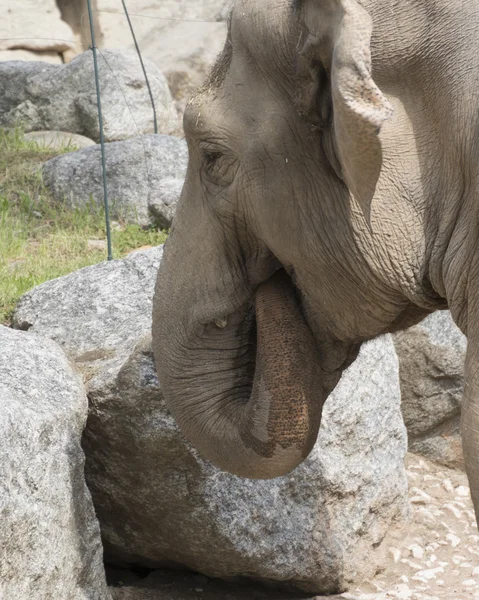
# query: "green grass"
x,y
41,239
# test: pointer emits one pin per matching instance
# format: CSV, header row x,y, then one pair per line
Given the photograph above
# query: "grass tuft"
x,y
41,239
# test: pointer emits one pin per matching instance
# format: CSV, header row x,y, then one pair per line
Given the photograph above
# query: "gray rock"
x,y
49,536
431,358
96,313
163,203
59,140
139,173
319,528
49,97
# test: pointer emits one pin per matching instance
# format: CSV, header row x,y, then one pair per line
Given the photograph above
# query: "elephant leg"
x,y
470,419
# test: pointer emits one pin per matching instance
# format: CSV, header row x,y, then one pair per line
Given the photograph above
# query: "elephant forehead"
x,y
265,25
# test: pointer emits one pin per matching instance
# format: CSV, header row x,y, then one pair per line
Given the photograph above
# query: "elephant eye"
x,y
218,164
211,158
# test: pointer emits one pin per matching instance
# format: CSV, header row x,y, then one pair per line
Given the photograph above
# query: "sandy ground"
x,y
433,557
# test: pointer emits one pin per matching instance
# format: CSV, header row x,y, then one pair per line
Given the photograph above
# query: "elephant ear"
x,y
338,43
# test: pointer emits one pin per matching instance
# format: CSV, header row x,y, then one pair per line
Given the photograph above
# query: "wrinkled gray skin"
x,y
367,198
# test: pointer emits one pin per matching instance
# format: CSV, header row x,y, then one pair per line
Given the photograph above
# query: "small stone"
x,y
429,573
417,491
395,553
403,592
419,578
463,491
199,590
455,511
425,512
447,484
453,539
469,583
418,500
411,564
416,551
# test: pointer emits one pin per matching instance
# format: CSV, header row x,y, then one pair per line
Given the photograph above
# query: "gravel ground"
x,y
433,557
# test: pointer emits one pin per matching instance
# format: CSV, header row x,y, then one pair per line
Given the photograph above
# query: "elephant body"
x,y
332,187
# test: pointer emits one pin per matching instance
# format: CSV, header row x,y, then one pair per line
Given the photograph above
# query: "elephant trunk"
x,y
270,430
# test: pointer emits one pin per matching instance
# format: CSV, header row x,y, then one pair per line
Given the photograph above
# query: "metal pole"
x,y
155,122
102,137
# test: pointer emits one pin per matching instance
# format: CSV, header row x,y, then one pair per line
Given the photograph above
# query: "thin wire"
x,y
155,122
131,114
102,137
114,12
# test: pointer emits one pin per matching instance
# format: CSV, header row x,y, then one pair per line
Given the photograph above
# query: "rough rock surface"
x,y
139,171
95,314
51,97
159,503
431,358
163,203
34,25
49,536
57,140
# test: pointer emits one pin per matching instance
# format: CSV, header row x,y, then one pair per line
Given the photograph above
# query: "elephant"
x,y
331,196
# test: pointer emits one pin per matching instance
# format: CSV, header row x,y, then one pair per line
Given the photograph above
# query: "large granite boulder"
x,y
319,528
431,359
145,176
44,96
49,536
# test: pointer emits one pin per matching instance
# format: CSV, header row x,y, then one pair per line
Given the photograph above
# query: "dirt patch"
x,y
436,555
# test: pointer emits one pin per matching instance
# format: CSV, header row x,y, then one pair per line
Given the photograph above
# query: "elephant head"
x,y
263,296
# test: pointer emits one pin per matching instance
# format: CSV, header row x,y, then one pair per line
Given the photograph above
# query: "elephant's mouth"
x,y
262,320
269,299
261,394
